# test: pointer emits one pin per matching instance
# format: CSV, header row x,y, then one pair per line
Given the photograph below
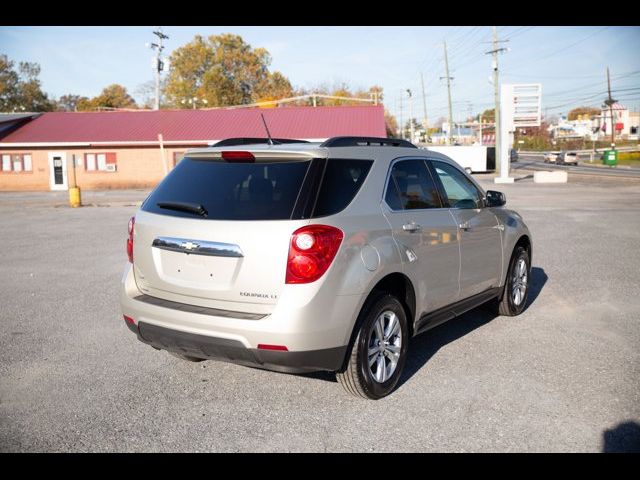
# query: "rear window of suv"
x,y
231,191
261,190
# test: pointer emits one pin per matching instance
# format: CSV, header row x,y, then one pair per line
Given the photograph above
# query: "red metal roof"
x,y
199,125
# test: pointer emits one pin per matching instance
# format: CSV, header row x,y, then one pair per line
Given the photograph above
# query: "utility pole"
x,y
610,101
411,116
449,78
424,103
496,91
401,124
159,64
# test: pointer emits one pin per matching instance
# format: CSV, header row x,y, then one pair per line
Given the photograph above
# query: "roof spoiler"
x,y
366,142
232,142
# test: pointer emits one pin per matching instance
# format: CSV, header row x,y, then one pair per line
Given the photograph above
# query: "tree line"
x,y
218,70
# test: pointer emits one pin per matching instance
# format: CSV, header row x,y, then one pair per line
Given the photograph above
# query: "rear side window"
x,y
341,181
231,191
411,187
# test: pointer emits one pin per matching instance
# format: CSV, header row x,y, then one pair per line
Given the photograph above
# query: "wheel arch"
x,y
396,284
525,242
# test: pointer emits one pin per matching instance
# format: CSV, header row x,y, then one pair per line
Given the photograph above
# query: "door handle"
x,y
411,227
465,226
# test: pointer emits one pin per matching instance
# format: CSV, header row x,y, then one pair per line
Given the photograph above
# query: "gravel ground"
x,y
564,376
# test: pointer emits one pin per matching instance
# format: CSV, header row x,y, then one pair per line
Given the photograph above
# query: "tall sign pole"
x,y
496,94
520,106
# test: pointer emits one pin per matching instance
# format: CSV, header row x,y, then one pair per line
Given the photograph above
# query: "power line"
x,y
564,48
535,75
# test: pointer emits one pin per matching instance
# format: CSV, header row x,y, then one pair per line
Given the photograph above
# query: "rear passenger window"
x,y
342,180
411,187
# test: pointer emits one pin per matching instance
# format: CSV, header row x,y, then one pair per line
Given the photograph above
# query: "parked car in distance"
x,y
551,157
299,257
567,158
514,155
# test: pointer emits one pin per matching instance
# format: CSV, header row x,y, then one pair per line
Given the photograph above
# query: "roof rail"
x,y
230,142
366,142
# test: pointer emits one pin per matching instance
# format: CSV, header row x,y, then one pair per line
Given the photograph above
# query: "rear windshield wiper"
x,y
185,207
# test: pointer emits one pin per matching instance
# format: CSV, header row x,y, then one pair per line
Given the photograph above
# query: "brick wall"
x,y
135,168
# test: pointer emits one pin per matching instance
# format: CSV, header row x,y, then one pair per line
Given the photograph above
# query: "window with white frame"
x,y
16,162
100,162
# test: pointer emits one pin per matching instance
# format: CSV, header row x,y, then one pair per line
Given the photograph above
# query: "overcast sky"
x,y
570,62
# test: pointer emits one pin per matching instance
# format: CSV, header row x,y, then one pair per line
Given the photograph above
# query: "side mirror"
x,y
495,199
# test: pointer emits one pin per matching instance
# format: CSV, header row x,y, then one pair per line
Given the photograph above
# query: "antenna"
x,y
267,129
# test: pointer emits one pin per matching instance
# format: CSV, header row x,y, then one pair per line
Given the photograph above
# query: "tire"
x,y
512,303
358,378
188,358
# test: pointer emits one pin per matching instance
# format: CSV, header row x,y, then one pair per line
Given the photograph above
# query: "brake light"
x,y
311,251
238,157
132,222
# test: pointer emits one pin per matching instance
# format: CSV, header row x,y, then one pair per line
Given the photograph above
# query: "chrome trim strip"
x,y
197,247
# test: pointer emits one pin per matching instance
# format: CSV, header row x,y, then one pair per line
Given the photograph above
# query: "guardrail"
x,y
627,148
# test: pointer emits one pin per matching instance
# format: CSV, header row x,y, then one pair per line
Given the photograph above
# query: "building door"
x,y
58,170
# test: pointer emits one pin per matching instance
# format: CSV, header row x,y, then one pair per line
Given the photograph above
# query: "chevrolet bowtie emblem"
x,y
189,245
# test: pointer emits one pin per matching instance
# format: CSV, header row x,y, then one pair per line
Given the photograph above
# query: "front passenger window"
x,y
460,191
411,187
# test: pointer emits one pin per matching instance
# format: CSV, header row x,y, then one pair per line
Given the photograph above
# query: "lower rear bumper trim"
x,y
215,348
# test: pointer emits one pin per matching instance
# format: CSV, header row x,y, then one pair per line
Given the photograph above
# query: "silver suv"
x,y
296,256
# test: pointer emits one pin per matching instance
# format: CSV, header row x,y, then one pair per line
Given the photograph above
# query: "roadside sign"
x,y
526,102
520,106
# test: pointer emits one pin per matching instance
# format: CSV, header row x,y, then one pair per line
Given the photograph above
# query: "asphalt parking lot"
x,y
564,376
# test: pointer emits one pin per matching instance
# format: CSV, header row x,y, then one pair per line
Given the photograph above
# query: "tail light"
x,y
311,251
132,222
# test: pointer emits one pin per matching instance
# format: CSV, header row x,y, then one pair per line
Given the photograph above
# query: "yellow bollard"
x,y
74,197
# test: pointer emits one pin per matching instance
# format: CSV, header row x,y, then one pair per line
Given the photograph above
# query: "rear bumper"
x,y
202,346
315,325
